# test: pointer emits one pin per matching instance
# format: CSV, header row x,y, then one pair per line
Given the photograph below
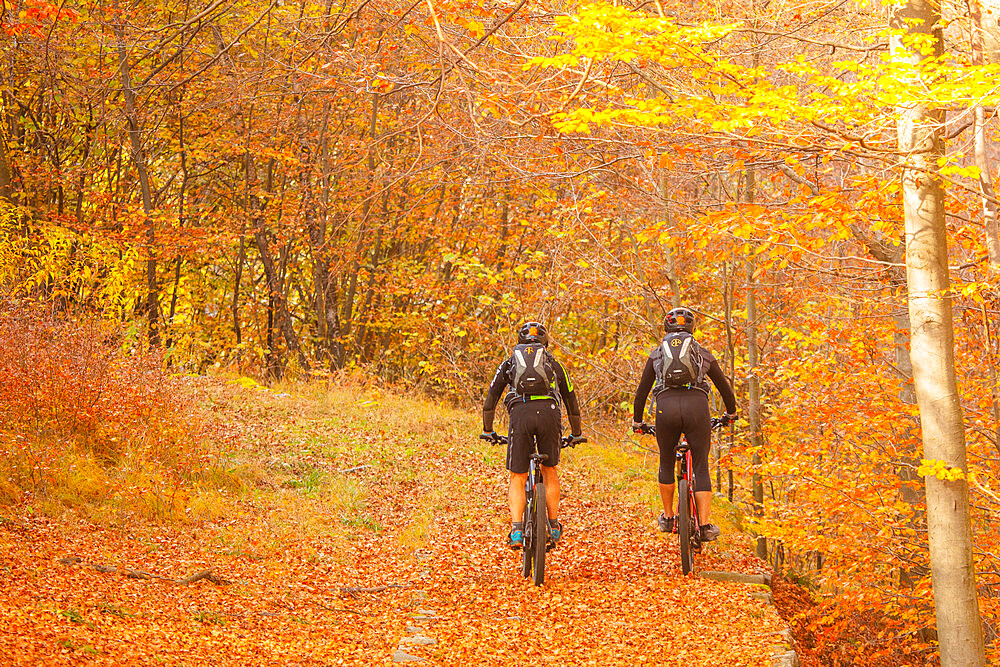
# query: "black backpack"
x,y
533,374
680,362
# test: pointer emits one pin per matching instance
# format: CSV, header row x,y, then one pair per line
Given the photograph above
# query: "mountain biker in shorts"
x,y
535,423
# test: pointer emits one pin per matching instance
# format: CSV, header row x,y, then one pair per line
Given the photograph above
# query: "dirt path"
x,y
368,544
614,595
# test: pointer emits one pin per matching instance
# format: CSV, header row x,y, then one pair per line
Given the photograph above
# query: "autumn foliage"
x,y
376,194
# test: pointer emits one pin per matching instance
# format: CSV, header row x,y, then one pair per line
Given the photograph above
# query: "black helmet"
x,y
679,319
533,332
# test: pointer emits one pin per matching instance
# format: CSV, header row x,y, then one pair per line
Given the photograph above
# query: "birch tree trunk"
x,y
932,353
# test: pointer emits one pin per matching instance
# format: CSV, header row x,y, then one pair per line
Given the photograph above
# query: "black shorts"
x,y
534,426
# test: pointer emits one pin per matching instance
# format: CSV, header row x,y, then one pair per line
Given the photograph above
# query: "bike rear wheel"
x,y
685,525
541,534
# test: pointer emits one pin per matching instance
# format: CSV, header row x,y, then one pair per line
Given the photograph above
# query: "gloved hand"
x,y
576,438
637,427
729,418
490,436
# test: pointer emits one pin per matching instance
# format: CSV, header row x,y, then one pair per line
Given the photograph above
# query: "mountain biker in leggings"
x,y
535,422
683,409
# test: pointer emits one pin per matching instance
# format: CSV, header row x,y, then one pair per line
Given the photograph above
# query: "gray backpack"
x,y
533,374
680,362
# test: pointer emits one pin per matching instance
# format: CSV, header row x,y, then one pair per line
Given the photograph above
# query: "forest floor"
x,y
370,525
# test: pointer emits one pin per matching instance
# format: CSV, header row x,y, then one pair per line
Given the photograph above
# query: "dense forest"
x,y
312,190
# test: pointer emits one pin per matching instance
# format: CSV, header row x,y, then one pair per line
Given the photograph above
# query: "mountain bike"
x,y
687,525
536,520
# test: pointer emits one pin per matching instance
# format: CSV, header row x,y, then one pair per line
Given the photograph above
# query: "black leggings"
x,y
684,411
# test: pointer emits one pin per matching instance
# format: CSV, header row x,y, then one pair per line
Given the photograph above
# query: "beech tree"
x,y
918,37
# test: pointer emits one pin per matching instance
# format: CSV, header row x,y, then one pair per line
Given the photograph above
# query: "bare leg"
x,y
703,499
667,496
515,496
551,478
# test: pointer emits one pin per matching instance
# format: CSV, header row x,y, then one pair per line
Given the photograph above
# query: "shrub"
x,y
88,420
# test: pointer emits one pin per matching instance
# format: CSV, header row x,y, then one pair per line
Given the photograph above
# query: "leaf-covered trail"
x,y
419,528
614,593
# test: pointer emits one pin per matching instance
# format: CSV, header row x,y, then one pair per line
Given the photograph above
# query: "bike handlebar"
x,y
649,429
565,441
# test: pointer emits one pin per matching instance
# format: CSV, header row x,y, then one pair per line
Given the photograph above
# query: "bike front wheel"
x,y
686,525
526,551
541,534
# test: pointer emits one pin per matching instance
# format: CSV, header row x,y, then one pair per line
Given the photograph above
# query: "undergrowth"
x,y
91,423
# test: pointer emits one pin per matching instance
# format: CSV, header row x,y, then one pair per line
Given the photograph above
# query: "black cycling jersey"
x,y
684,410
714,372
503,380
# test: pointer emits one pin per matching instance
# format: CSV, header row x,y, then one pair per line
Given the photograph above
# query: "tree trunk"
x,y
347,318
180,223
675,286
5,163
275,287
991,361
237,279
173,300
753,381
730,366
932,354
139,159
317,239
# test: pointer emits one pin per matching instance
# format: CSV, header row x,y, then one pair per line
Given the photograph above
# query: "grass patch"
x,y
115,610
209,618
309,483
728,516
209,505
83,648
74,616
418,531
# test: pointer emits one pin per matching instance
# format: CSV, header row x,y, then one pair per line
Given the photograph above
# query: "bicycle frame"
x,y
534,475
536,533
684,470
